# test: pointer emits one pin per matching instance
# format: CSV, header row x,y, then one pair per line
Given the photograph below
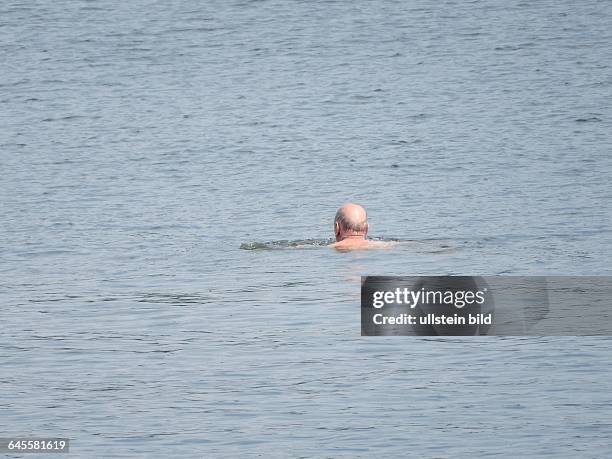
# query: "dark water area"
x,y
152,154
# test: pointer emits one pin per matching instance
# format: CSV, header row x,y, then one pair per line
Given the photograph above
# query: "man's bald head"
x,y
351,221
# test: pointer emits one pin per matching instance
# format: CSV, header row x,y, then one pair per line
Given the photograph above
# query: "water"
x,y
142,143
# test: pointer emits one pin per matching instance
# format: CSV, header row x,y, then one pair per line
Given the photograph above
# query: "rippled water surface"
x,y
144,143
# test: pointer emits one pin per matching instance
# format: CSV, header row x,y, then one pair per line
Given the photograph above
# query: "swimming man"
x,y
351,229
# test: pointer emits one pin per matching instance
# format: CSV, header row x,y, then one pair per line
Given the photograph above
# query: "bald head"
x,y
351,221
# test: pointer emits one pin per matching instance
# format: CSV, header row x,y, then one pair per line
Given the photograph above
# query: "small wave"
x,y
285,244
588,120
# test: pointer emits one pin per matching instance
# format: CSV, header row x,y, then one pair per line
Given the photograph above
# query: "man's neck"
x,y
353,236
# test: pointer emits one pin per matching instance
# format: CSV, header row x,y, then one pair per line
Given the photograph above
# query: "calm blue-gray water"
x,y
143,142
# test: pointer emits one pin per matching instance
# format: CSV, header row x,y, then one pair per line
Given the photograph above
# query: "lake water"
x,y
143,142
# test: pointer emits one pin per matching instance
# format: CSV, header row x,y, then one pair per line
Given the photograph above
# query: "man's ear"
x,y
366,230
336,229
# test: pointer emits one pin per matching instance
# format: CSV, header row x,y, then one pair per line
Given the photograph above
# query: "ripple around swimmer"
x,y
430,246
286,244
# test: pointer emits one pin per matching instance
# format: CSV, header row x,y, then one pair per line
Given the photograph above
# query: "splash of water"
x,y
305,243
286,244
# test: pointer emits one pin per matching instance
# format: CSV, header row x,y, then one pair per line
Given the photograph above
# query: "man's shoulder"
x,y
361,244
